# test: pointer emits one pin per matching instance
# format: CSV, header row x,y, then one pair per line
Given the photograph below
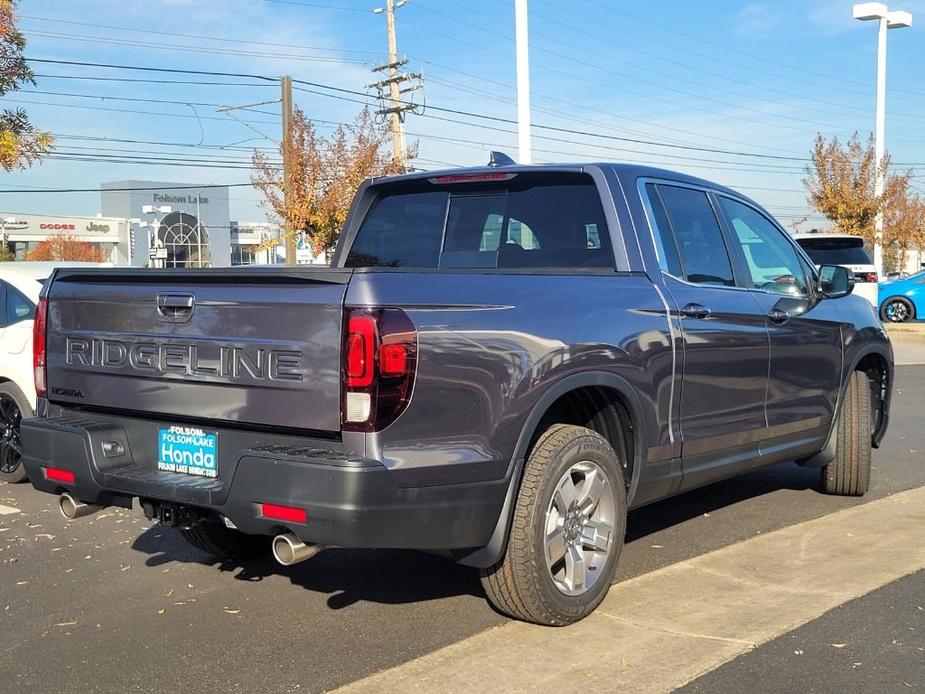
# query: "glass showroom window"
x,y
185,239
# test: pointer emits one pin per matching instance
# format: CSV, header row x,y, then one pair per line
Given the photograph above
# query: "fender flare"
x,y
492,552
827,454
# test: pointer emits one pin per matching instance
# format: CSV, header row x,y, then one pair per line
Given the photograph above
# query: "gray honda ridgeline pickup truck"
x,y
500,362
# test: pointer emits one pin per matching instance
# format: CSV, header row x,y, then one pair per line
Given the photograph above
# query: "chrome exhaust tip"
x,y
71,508
288,549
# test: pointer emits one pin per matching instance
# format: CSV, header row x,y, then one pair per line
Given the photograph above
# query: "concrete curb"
x,y
660,630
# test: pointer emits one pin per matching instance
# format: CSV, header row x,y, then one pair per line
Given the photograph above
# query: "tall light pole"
x,y
886,19
521,34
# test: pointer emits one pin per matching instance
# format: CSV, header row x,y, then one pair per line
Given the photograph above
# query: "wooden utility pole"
x,y
398,129
394,105
286,101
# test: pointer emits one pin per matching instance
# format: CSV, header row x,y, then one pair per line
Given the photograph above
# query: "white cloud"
x,y
754,19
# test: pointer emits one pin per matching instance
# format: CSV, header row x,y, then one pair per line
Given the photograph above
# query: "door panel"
x,y
804,373
806,364
724,334
725,377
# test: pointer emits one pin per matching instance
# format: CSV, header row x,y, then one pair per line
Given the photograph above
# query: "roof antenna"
x,y
497,159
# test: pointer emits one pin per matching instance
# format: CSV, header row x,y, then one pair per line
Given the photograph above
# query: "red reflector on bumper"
x,y
58,474
284,513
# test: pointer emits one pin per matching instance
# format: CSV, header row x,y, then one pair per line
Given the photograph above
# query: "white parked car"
x,y
847,251
20,285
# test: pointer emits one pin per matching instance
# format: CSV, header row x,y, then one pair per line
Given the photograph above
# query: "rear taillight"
x,y
39,347
361,344
866,277
380,360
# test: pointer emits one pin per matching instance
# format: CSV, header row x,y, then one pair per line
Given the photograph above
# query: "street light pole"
x,y
521,34
886,20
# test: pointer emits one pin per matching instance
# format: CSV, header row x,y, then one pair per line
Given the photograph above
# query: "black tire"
x,y
521,584
13,405
849,473
225,543
902,310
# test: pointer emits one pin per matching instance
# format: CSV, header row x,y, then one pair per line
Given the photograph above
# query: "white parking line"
x,y
7,510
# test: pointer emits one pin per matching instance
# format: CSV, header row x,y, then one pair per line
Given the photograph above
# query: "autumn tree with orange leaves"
x,y
325,173
20,142
67,247
904,228
840,180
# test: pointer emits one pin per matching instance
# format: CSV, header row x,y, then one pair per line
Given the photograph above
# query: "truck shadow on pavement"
x,y
348,576
351,576
713,497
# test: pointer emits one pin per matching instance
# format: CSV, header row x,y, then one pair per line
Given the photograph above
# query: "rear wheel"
x,y
12,406
897,309
849,473
224,543
567,531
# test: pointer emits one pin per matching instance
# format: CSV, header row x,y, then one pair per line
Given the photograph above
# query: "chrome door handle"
x,y
695,311
778,316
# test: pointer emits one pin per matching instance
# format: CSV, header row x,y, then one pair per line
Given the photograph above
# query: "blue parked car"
x,y
903,300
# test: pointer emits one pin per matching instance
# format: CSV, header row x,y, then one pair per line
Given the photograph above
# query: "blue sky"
x,y
759,78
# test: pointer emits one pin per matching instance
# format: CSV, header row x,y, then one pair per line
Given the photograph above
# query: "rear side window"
x,y
530,221
668,257
401,231
703,254
836,251
18,307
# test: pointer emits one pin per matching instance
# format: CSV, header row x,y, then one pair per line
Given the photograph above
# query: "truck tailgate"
x,y
245,346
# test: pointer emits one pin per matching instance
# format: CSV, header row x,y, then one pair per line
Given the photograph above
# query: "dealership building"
x,y
23,232
181,224
157,224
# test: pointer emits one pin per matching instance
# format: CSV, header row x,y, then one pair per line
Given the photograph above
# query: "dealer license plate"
x,y
188,450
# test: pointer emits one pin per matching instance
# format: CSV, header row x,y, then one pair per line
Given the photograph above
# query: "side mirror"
x,y
835,281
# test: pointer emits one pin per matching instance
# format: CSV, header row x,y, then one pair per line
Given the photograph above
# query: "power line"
x,y
186,48
141,68
431,107
129,190
802,69
150,81
319,5
726,78
598,84
364,99
206,37
103,97
126,110
162,143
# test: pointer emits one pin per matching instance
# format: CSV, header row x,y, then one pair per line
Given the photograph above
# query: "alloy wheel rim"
x,y
579,528
10,445
897,311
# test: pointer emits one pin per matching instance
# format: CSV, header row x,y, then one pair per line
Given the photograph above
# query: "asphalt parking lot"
x,y
111,603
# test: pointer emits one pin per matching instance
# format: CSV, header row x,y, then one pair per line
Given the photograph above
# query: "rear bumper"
x,y
350,503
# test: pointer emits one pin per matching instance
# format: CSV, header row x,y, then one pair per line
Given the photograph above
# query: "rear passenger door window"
x,y
702,257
